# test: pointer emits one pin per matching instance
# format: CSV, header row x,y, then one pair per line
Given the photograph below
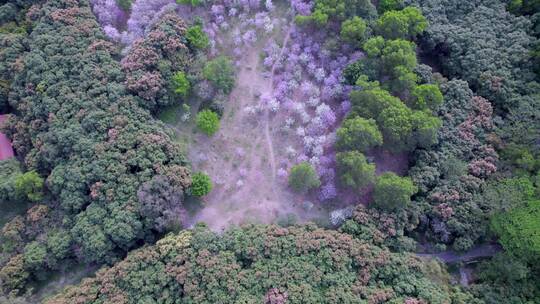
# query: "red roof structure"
x,y
6,150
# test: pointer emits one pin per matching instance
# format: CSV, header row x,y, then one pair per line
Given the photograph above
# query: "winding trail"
x,y
267,112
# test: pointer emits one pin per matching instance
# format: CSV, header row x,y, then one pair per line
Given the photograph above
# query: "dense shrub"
x,y
220,73
303,178
354,170
353,31
393,192
201,185
357,133
197,38
518,231
181,84
403,24
208,122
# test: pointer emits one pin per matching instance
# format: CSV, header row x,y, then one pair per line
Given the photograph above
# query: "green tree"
x,y
197,37
208,122
354,170
189,2
30,185
220,73
303,178
181,84
201,184
425,127
426,96
393,192
357,133
518,231
35,255
397,126
370,103
389,5
404,24
124,4
353,30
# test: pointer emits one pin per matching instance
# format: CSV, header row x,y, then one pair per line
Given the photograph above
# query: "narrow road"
x,y
451,256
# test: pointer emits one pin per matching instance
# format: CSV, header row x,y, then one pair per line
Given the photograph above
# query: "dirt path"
x,y
267,111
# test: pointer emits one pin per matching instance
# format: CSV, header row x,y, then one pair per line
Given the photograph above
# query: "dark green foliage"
x,y
353,31
77,127
452,172
220,73
10,170
124,4
354,171
393,192
303,178
208,122
201,185
357,133
196,37
252,264
30,186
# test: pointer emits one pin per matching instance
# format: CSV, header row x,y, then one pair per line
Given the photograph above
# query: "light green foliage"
x,y
506,194
190,2
30,185
404,24
393,59
353,30
303,178
208,122
326,11
404,80
397,126
181,84
426,96
518,231
196,37
389,5
201,184
393,192
370,103
354,170
357,133
220,73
